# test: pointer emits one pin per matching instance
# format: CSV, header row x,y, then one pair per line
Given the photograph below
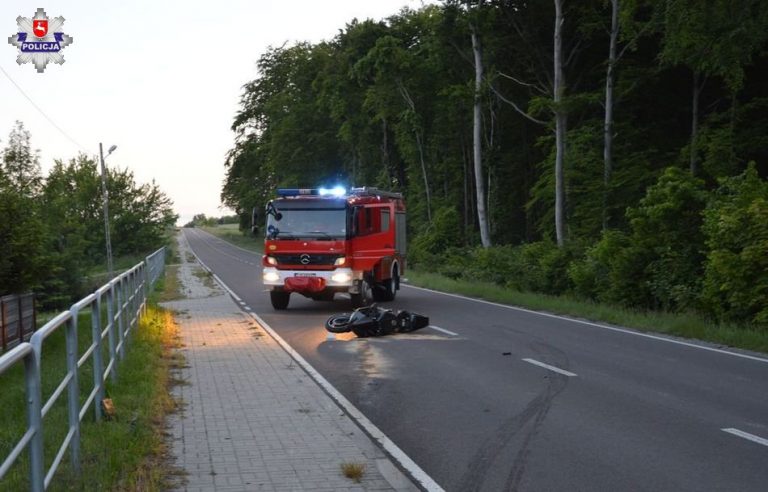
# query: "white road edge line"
x,y
597,325
398,454
443,330
551,368
746,435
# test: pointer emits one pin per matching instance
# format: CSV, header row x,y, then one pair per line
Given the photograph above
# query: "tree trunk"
x,y
695,122
417,133
485,238
560,127
424,174
608,125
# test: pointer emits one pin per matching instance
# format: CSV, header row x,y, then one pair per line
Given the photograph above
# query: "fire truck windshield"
x,y
308,223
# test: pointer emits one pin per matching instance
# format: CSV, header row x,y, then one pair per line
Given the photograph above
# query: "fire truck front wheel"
x,y
364,296
387,290
279,299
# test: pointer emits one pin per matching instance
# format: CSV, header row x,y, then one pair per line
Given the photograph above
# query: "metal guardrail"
x,y
124,299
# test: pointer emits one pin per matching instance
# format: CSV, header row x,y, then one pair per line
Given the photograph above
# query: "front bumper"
x,y
339,279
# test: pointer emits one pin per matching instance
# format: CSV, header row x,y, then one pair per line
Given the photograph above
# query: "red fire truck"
x,y
320,242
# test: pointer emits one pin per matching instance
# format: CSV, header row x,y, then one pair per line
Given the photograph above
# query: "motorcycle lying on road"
x,y
373,321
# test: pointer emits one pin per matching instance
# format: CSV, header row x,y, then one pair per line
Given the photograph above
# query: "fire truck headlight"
x,y
271,260
340,261
271,276
341,277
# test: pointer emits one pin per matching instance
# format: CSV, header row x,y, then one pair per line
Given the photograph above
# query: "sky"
x,y
160,79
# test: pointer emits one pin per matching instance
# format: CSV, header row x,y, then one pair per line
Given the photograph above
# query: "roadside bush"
x,y
658,264
667,239
453,262
736,229
427,249
537,267
593,275
543,267
496,264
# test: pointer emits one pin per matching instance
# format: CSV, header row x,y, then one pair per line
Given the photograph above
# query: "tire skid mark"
x,y
535,412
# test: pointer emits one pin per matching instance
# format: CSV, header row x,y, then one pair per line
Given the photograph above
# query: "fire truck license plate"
x,y
304,274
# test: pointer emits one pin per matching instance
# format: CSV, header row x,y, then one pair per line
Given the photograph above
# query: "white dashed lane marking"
x,y
551,368
747,436
448,332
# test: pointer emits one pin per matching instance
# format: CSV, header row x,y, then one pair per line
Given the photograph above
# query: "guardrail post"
x,y
136,296
131,301
146,286
73,397
34,420
112,324
120,318
98,363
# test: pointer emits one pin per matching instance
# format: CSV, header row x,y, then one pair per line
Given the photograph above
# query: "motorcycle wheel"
x,y
338,323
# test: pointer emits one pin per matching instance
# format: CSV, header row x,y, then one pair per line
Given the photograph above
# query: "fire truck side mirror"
x,y
254,221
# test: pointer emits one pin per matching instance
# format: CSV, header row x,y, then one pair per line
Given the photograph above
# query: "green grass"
x,y
685,325
171,290
231,233
125,453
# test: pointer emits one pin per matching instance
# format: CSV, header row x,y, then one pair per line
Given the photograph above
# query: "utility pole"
x,y
105,199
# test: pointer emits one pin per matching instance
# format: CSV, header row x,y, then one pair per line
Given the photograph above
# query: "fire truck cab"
x,y
320,242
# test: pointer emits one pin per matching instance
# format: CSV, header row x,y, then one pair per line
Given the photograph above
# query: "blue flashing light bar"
x,y
337,191
296,191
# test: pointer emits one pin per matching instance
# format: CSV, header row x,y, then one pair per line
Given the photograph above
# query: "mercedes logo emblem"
x,y
304,259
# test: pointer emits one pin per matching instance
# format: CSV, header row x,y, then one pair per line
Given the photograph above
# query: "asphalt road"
x,y
470,402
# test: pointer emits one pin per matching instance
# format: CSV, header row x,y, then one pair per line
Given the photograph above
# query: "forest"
x,y
611,150
52,227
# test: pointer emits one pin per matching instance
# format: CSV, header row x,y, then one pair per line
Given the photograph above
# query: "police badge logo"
x,y
40,40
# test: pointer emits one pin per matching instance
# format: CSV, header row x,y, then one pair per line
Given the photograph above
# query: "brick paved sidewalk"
x,y
252,419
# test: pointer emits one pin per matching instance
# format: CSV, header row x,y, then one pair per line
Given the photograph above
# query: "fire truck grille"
x,y
306,259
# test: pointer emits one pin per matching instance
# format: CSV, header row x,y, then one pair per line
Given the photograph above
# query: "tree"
x,y
388,64
561,121
22,232
550,86
736,229
21,165
141,214
75,235
667,240
622,13
476,132
713,38
70,205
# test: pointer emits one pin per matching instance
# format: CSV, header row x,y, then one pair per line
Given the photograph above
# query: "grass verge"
x,y
127,452
685,325
171,286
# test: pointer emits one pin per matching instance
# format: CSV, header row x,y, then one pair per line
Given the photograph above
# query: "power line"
x,y
66,135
